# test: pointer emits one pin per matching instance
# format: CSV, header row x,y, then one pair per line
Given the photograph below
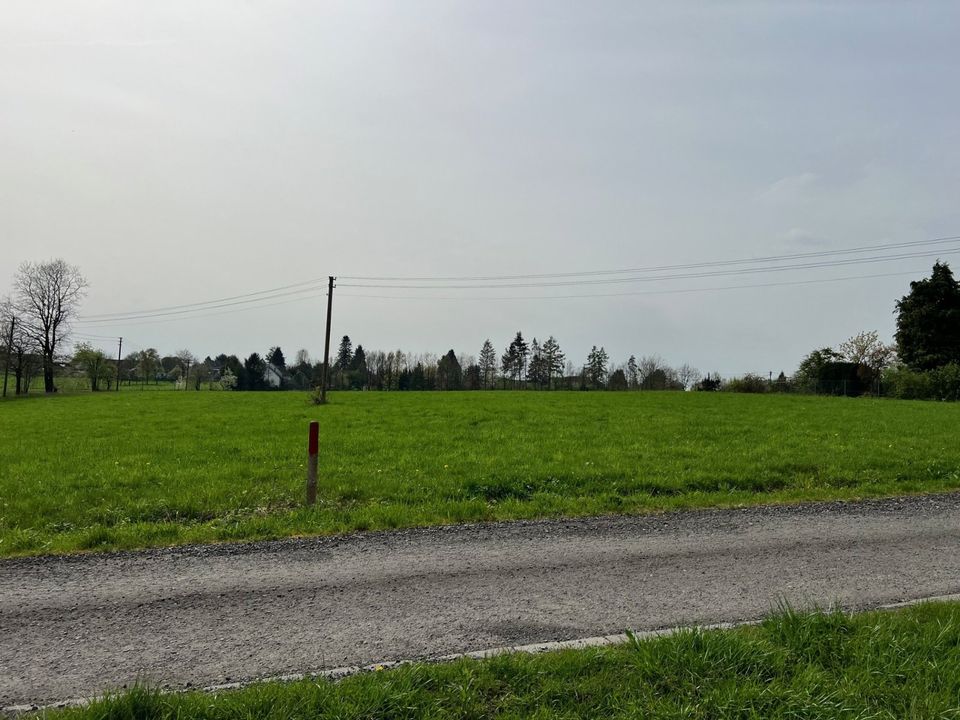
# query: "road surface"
x,y
187,617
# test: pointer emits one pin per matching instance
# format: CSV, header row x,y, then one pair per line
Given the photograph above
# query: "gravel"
x,y
80,625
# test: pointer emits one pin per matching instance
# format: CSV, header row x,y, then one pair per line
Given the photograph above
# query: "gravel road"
x,y
80,625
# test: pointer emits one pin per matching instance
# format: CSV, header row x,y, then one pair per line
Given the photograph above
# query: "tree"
x,y
648,365
147,362
811,368
202,372
688,376
472,378
656,379
633,373
618,380
94,364
596,367
710,383
449,373
521,352
253,369
928,321
228,381
275,357
186,360
537,370
869,354
488,364
302,358
23,354
46,298
553,359
508,363
514,360
357,378
418,380
344,356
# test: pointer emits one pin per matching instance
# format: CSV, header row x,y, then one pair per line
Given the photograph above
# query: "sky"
x,y
183,152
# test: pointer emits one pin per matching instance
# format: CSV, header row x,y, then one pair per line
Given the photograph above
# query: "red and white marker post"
x,y
312,452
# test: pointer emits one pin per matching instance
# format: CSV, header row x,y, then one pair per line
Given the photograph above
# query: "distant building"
x,y
272,375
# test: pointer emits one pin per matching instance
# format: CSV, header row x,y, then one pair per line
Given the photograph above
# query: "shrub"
x,y
749,383
945,382
905,384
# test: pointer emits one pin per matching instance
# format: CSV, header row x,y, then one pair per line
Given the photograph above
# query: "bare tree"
x,y
186,360
21,353
46,298
688,376
648,365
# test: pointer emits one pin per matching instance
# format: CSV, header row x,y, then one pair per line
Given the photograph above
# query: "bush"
x,y
946,382
749,383
940,384
710,383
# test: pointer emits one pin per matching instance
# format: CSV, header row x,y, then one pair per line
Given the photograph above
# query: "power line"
x,y
680,276
111,323
197,305
296,291
256,297
120,317
93,337
660,268
784,283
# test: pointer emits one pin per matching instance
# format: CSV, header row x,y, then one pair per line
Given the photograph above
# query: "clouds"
x,y
190,151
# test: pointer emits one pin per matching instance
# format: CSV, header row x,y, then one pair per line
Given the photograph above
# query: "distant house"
x,y
272,376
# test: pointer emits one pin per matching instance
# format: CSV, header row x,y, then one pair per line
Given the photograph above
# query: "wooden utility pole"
x,y
6,368
326,342
119,355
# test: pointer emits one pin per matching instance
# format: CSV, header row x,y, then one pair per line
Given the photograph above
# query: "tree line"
x,y
922,362
521,366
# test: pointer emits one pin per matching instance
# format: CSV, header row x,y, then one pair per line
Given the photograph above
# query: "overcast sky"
x,y
186,151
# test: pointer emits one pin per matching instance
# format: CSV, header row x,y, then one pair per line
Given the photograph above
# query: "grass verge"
x,y
894,664
136,469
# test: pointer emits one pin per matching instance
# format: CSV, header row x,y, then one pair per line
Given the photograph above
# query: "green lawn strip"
x,y
137,469
892,664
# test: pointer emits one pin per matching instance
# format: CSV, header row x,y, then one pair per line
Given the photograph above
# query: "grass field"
x,y
134,469
897,665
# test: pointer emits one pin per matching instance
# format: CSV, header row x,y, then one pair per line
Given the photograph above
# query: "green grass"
x,y
896,665
134,469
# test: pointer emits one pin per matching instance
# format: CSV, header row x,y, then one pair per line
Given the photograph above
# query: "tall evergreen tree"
x,y
253,369
508,363
342,364
345,353
596,369
519,352
357,376
633,373
553,359
275,358
418,380
928,321
488,364
536,371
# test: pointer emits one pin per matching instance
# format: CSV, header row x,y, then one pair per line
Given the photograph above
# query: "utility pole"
x,y
326,342
6,369
119,355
